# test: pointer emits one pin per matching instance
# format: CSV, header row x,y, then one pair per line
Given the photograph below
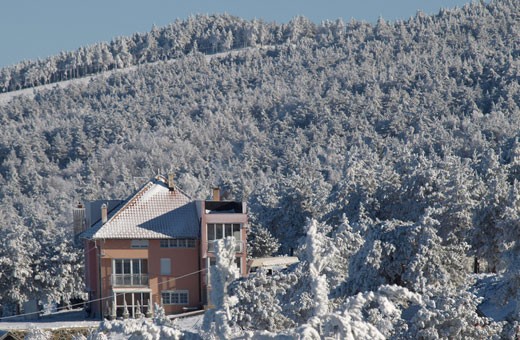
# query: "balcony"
x,y
211,246
133,280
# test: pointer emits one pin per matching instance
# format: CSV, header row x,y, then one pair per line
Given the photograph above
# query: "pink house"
x,y
155,246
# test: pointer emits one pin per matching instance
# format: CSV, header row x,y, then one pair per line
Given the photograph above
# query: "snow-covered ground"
x,y
75,319
65,319
495,305
48,325
190,324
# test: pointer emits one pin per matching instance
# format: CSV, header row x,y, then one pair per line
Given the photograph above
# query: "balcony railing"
x,y
211,246
129,280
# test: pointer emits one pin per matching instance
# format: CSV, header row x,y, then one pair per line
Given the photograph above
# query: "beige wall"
x,y
92,275
184,261
220,218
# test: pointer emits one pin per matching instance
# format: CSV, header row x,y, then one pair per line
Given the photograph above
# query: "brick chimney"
x,y
171,183
104,213
78,218
216,194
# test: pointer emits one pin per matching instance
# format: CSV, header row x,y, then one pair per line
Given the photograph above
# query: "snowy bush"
x,y
38,334
374,314
450,316
159,316
138,329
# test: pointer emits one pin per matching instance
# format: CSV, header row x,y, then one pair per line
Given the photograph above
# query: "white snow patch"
x,y
190,324
25,325
31,92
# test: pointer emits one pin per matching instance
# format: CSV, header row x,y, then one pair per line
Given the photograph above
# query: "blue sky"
x,y
31,29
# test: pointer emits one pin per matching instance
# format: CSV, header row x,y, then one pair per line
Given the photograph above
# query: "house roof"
x,y
154,212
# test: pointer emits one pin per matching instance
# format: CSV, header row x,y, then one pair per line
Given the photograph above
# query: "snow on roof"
x,y
154,212
273,261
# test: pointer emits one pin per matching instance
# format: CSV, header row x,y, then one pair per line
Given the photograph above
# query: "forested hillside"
x,y
384,154
206,34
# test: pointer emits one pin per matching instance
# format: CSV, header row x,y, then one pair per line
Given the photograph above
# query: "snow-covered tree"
x,y
348,240
259,306
451,316
318,251
408,129
408,255
17,254
261,243
217,320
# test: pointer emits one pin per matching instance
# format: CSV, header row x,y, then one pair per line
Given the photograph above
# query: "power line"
x,y
96,300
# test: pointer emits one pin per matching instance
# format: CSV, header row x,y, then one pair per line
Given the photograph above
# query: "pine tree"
x,y
217,320
261,242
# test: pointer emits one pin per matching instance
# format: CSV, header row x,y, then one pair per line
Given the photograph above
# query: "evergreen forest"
x,y
385,155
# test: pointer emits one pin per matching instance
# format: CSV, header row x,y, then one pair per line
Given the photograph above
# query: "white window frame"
x,y
137,274
223,230
171,294
142,265
178,243
131,304
139,244
166,266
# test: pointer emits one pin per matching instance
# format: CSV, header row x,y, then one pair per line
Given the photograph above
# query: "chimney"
x,y
78,218
104,213
216,194
171,183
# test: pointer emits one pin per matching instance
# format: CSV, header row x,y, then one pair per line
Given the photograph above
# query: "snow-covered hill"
x,y
394,145
81,82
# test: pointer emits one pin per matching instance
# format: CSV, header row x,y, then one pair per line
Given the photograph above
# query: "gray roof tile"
x,y
154,212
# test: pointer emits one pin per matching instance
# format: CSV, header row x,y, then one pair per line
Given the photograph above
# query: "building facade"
x,y
155,247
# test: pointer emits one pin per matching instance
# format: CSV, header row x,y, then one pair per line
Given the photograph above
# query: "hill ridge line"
x,y
6,97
